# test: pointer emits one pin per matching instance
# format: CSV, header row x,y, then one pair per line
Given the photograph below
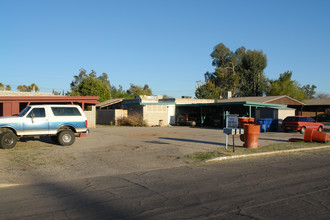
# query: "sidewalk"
x,y
265,153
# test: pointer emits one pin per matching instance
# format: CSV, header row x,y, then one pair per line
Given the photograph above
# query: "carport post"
x,y
223,117
202,120
250,111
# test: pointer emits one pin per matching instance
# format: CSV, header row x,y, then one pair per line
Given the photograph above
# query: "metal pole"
x,y
233,143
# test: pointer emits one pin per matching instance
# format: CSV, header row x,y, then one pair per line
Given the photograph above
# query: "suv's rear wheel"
x,y
8,140
66,137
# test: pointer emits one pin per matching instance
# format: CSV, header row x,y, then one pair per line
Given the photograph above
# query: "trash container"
x,y
265,123
312,135
251,135
244,120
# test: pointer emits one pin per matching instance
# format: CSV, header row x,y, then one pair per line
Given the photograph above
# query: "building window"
x,y
156,108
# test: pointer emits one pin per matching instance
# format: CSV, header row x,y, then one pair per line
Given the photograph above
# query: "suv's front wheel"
x,y
8,140
66,138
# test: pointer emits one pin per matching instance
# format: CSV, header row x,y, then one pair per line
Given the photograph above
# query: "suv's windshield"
x,y
24,111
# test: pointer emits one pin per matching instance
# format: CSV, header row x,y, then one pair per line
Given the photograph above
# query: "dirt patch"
x,y
169,157
123,148
149,134
112,151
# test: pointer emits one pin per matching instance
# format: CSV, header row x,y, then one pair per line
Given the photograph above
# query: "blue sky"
x,y
165,44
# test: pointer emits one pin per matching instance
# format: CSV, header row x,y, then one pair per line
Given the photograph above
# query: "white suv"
x,y
61,122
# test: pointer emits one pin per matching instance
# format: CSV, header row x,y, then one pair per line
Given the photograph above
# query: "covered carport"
x,y
317,108
213,114
11,105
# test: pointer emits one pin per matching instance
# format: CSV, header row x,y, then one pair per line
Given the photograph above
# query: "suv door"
x,y
36,122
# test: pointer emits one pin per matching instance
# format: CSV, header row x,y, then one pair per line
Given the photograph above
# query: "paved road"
x,y
291,186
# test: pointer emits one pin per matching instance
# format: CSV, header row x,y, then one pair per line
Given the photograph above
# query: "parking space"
x,y
115,150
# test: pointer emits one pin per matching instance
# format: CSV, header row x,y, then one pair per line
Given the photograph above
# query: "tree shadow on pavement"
x,y
56,200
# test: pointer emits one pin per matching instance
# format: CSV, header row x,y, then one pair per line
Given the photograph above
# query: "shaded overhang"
x,y
150,103
243,103
240,103
109,103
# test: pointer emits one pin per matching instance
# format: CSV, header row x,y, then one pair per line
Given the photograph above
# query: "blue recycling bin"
x,y
265,123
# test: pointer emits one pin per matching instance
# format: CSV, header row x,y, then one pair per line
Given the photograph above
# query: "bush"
x,y
134,120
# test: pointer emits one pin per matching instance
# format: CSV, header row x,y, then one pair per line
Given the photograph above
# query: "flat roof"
x,y
244,103
80,99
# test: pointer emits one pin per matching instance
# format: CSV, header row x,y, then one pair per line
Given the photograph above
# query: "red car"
x,y
300,123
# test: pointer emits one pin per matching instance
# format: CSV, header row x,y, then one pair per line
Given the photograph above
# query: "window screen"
x,y
65,111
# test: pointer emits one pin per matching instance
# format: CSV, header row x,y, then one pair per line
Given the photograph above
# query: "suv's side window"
x,y
37,113
65,111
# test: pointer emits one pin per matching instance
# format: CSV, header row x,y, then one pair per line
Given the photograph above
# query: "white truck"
x,y
60,122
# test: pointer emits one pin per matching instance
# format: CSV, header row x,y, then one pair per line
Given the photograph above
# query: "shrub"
x,y
134,120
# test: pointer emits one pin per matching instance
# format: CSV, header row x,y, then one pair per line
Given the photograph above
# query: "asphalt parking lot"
x,y
115,150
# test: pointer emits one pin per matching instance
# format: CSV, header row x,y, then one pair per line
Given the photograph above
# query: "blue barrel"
x,y
265,123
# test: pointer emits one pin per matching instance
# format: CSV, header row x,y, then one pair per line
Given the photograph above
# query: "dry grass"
x,y
202,156
134,120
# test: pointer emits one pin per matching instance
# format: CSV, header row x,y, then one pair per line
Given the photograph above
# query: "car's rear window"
x,y
65,111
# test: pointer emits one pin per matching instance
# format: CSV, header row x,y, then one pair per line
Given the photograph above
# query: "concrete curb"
x,y
4,185
265,153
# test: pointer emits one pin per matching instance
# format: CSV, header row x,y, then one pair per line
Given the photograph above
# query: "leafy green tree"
x,y
104,79
135,90
253,80
241,72
34,87
91,86
83,85
309,90
226,76
119,93
207,91
22,88
30,88
78,79
5,87
284,85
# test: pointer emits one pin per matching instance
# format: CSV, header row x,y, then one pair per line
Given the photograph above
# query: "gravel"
x,y
114,150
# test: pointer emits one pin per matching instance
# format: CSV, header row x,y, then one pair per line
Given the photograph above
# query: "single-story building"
x,y
213,114
203,112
